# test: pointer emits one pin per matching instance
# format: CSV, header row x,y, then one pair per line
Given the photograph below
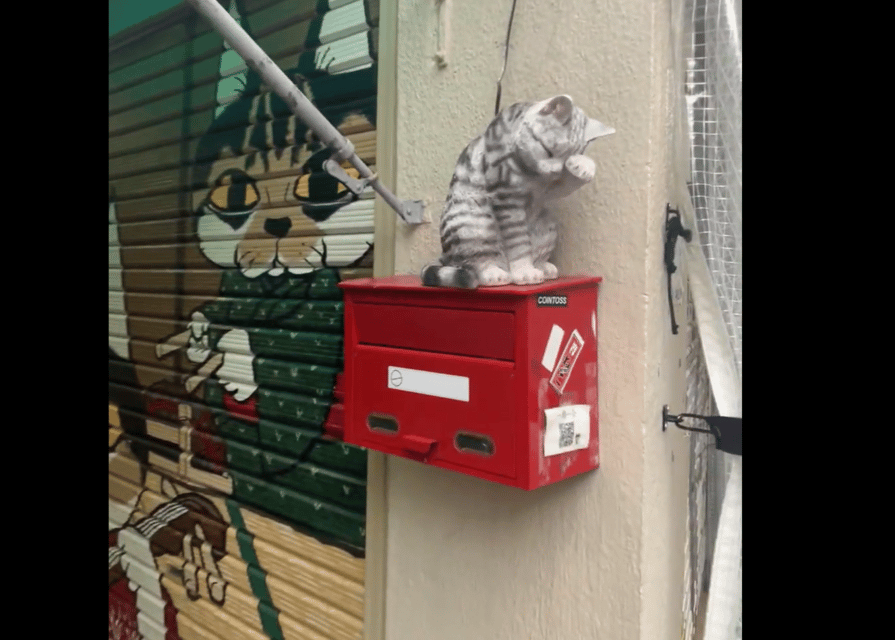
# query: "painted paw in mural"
x,y
236,374
198,555
198,349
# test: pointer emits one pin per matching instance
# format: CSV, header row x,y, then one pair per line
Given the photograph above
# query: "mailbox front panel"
x,y
444,410
499,383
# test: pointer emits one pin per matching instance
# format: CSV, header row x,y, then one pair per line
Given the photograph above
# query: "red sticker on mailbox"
x,y
567,361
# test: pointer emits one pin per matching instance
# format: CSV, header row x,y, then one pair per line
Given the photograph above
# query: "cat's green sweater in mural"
x,y
293,326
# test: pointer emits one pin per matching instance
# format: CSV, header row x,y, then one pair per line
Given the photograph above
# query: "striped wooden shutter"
x,y
231,515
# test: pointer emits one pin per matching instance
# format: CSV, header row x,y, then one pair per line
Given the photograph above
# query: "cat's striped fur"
x,y
494,228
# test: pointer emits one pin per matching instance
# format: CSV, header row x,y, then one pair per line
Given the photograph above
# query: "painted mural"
x,y
234,509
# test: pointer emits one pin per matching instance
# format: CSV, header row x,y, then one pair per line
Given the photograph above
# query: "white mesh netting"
x,y
709,45
714,101
698,401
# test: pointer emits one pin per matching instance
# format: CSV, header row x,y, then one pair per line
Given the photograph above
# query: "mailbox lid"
x,y
465,332
397,286
447,408
398,311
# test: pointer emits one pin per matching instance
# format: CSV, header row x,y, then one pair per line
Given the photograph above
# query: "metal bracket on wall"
x,y
333,168
441,34
410,211
728,432
673,229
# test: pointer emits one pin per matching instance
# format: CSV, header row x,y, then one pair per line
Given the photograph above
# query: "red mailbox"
x,y
499,383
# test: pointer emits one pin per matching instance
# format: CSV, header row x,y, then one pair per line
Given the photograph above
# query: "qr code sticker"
x,y
566,429
566,434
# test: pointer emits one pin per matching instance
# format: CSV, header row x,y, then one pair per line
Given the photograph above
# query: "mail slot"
x,y
499,383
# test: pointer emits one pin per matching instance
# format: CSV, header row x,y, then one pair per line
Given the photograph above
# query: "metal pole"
x,y
410,211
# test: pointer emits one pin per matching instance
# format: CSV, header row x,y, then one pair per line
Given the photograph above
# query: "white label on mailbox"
x,y
567,429
429,383
552,349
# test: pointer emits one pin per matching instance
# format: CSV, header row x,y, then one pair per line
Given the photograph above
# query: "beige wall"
x,y
600,555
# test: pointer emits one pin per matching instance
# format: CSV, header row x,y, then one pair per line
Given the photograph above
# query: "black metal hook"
x,y
673,229
728,432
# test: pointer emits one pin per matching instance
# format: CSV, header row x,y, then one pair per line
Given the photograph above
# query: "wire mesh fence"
x,y
712,51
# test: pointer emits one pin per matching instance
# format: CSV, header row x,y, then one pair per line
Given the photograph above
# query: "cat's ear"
x,y
596,129
231,85
560,107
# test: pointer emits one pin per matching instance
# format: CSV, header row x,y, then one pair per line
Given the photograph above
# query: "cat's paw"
x,y
550,271
237,371
494,276
527,274
198,347
581,167
550,166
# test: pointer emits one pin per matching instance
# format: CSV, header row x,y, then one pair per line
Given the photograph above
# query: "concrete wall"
x,y
598,556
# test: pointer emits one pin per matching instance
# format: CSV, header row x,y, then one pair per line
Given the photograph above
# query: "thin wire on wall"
x,y
506,51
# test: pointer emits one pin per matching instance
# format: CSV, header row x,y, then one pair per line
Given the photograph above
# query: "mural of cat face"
x,y
279,225
269,210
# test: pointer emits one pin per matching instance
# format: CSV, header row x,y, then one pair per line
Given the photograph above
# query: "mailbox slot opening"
x,y
474,443
382,423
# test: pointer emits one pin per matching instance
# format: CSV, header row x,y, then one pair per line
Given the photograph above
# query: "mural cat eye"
x,y
234,194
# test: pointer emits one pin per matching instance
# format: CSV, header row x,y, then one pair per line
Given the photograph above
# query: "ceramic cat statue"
x,y
496,227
